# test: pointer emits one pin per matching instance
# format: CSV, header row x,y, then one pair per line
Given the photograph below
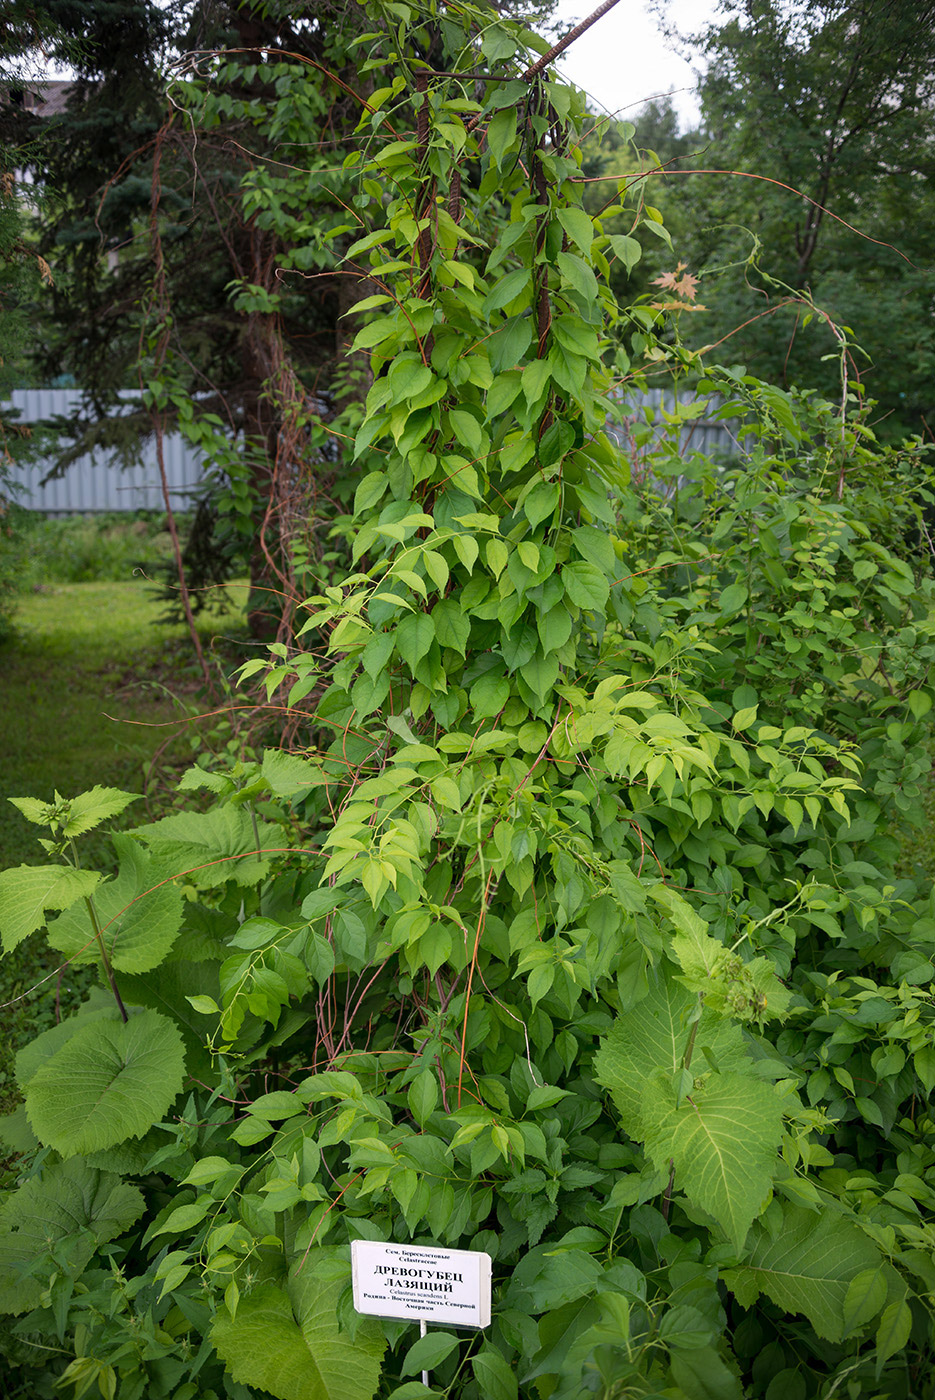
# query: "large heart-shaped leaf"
x,y
722,1140
213,847
288,1342
111,1081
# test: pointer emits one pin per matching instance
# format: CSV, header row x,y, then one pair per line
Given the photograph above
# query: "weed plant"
x,y
107,548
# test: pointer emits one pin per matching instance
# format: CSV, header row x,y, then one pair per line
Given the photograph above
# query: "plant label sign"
x,y
431,1285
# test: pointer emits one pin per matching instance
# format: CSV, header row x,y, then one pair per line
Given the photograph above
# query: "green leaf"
x,y
597,547
428,1352
586,585
626,249
70,1206
893,1331
654,1035
112,1080
414,636
204,1005
289,775
540,674
806,1267
29,890
501,133
183,1219
554,628
703,1374
436,568
39,813
409,377
498,43
89,809
289,1343
497,556
43,1046
576,271
507,348
507,289
140,916
577,224
744,718
383,328
865,1296
370,490
536,378
723,1139
697,952
423,1096
502,392
541,501
213,846
452,625
489,694
495,1379
467,430
732,599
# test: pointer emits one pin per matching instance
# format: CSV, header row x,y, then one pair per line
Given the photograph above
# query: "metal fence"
x,y
706,434
95,483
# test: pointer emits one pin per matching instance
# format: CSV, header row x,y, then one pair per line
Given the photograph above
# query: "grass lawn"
x,y
92,688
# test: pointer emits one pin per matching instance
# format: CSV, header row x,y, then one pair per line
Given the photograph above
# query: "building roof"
x,y
42,97
48,99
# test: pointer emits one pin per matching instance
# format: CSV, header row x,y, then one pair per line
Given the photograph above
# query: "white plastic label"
x,y
438,1285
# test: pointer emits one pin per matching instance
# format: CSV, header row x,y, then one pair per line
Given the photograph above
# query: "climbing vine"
x,y
569,929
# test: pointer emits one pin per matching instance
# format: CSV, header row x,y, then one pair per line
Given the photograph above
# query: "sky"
x,y
624,59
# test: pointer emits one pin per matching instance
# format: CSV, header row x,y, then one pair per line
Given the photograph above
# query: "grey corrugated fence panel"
x,y
94,483
708,435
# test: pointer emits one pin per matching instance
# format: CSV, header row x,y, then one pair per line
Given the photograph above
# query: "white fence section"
x,y
94,482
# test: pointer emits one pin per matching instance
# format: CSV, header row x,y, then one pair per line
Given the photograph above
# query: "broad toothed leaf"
x,y
98,1007
71,1206
89,809
213,846
139,915
39,813
111,1081
29,890
722,1139
654,1035
805,1266
288,1342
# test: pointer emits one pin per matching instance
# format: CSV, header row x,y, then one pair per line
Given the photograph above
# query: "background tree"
x,y
198,238
835,99
154,227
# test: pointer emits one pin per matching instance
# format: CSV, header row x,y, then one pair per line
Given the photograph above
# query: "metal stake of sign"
x,y
422,1331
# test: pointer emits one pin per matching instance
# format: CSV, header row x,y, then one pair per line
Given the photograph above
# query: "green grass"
x,y
109,547
88,686
93,689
